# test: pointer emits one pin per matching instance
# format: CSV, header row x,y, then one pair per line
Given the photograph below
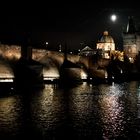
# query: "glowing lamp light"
x,y
83,75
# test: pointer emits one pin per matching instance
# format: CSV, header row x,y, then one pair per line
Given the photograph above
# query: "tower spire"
x,y
131,26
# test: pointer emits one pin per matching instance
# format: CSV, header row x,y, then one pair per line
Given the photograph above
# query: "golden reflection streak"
x,y
9,114
81,103
47,108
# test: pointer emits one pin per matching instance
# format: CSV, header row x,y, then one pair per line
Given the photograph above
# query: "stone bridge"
x,y
51,60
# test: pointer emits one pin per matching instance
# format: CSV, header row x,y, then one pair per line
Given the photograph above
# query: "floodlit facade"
x,y
106,45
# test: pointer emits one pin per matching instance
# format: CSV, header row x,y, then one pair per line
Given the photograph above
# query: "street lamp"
x,y
47,44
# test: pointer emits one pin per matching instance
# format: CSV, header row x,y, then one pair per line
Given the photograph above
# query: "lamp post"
x,y
47,44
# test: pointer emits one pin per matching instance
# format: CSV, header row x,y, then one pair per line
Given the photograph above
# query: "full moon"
x,y
113,17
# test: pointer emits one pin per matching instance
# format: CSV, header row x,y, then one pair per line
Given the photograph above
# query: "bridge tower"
x,y
131,40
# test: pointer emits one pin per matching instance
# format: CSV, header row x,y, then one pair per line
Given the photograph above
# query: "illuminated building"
x,y
106,45
131,40
87,51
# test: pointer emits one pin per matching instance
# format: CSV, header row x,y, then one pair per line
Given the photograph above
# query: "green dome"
x,y
106,38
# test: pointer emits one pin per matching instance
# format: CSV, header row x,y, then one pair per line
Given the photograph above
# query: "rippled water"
x,y
103,112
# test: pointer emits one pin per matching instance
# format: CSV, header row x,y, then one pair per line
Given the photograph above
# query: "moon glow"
x,y
113,17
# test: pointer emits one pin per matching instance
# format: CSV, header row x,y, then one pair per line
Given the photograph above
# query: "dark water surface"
x,y
95,112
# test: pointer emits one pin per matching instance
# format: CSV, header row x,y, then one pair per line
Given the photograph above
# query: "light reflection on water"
x,y
85,112
111,111
10,115
47,108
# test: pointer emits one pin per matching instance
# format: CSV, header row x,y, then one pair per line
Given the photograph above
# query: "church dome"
x,y
106,38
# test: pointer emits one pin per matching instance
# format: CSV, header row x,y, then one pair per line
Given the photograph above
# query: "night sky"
x,y
59,23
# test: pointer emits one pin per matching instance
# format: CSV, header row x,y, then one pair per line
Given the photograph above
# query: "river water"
x,y
87,111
